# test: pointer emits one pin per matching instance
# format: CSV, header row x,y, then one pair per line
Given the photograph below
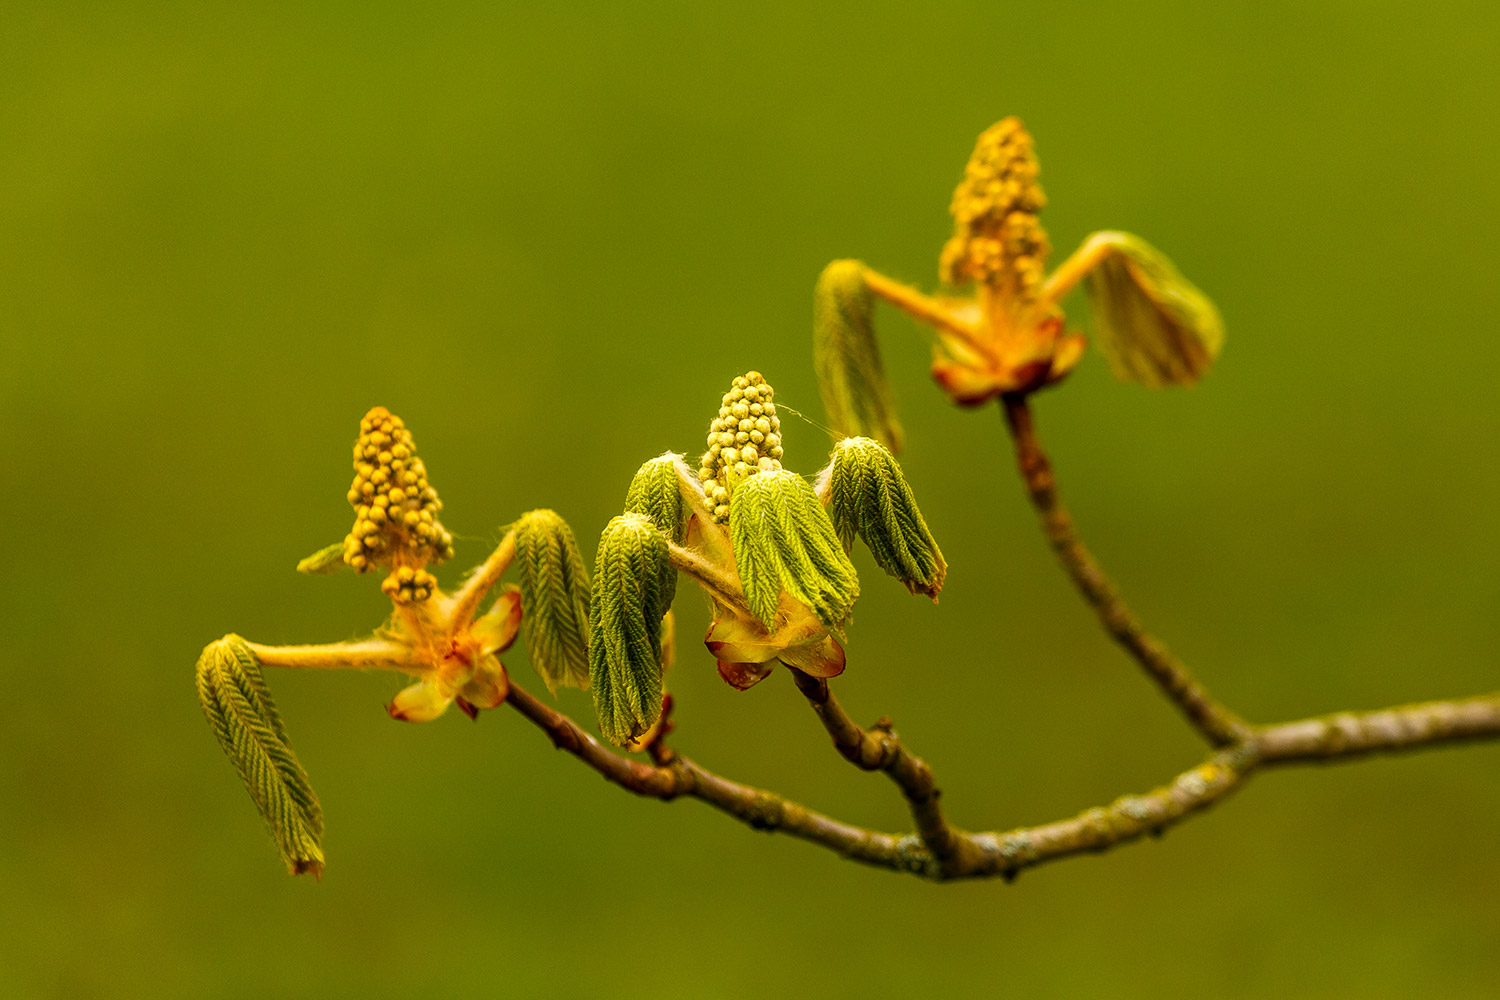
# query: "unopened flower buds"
x,y
395,507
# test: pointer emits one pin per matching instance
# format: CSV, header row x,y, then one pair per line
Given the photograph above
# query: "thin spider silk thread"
x,y
833,435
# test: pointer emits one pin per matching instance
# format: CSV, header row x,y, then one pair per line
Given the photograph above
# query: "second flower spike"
x,y
1001,330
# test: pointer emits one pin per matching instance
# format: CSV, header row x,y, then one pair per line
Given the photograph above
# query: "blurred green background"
x,y
548,237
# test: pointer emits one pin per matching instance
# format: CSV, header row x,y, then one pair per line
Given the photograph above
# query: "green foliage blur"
x,y
548,236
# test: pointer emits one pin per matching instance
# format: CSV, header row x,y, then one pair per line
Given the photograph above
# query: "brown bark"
x,y
941,851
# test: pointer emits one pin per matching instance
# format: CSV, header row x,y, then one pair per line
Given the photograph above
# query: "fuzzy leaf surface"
x,y
239,709
1155,326
656,492
783,540
554,599
868,496
328,559
631,596
856,394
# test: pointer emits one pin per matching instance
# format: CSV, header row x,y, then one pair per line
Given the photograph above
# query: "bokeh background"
x,y
548,236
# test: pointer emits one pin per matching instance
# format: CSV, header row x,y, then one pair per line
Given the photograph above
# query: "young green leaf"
x,y
631,595
868,496
656,491
783,540
1155,326
851,377
554,599
240,711
329,559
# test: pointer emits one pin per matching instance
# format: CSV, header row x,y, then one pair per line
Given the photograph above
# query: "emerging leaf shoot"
x,y
329,559
868,496
630,597
851,377
555,599
440,643
783,540
240,711
656,491
1010,338
1155,326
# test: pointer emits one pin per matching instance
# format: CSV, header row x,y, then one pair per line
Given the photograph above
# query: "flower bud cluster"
x,y
997,239
406,585
745,438
395,508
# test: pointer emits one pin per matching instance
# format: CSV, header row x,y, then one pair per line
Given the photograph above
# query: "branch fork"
x,y
940,851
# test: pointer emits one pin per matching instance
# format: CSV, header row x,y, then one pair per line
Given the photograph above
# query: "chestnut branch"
x,y
1217,724
772,552
957,854
940,851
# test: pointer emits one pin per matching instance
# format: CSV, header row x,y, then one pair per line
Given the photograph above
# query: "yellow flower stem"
x,y
466,601
921,307
1073,270
721,585
366,654
996,308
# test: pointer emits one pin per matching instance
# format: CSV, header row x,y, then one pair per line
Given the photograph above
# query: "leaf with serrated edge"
x,y
555,597
238,706
656,491
868,495
1155,326
783,539
625,657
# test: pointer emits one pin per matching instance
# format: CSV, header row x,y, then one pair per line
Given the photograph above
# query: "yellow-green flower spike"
x,y
395,509
744,439
997,239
